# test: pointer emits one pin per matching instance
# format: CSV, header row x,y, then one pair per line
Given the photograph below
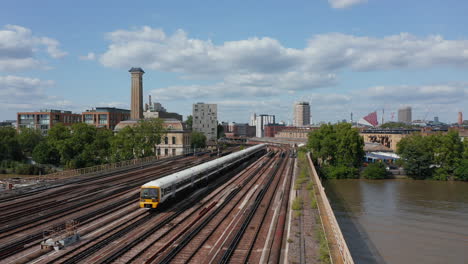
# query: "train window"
x,y
149,193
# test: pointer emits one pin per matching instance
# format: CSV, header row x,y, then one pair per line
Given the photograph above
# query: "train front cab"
x,y
150,197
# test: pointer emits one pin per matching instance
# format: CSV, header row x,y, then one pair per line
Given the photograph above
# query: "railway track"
x,y
237,219
22,234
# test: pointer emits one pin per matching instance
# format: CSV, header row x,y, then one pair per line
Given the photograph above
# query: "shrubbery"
x,y
375,171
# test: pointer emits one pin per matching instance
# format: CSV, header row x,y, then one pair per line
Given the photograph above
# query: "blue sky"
x,y
248,56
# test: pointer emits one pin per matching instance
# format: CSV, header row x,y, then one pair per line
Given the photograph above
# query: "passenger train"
x,y
158,191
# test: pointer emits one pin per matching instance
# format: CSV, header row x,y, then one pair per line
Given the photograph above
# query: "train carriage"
x,y
158,191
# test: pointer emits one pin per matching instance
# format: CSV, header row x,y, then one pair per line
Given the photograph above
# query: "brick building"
x,y
46,119
107,117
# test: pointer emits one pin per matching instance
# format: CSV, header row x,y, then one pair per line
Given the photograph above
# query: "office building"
x,y
136,104
105,117
301,114
46,119
404,115
205,120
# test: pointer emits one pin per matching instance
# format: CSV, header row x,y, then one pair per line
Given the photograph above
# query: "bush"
x,y
440,174
461,172
340,172
375,171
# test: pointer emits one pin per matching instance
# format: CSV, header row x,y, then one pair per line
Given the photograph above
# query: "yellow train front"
x,y
149,197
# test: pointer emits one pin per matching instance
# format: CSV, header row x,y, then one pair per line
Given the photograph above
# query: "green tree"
x,y
416,155
45,153
198,140
29,138
189,122
148,134
122,145
139,141
461,172
220,131
448,152
465,148
375,171
10,148
338,148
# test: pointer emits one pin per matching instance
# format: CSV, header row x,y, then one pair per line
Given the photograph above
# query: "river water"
x,y
402,221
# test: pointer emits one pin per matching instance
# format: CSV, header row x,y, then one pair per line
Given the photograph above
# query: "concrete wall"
x,y
338,247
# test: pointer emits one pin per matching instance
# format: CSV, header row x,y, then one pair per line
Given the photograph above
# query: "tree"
x,y
461,172
28,139
148,134
220,131
337,147
122,145
10,148
448,152
44,153
416,155
375,171
139,141
189,122
198,140
465,148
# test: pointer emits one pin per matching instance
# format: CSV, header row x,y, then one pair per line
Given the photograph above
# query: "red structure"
x,y
372,119
460,118
272,129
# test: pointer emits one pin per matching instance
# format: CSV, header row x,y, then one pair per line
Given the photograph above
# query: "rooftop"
x,y
136,69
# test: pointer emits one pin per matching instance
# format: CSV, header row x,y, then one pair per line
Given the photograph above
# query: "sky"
x,y
260,56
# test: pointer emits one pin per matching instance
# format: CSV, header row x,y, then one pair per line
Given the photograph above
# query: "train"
x,y
158,191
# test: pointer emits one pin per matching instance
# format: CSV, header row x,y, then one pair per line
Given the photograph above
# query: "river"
x,y
402,221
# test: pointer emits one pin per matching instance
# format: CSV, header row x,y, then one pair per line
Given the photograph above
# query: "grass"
x,y
324,252
297,204
313,200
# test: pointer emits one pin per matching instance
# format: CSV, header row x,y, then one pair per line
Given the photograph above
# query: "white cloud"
x,y
345,3
19,47
20,94
90,56
264,67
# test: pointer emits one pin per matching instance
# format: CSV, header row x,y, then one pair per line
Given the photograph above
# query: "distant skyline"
x,y
342,56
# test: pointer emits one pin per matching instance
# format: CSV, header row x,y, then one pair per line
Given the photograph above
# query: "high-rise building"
x,y
261,122
205,119
301,114
404,114
253,119
136,109
460,118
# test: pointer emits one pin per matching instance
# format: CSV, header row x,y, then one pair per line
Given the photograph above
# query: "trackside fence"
x,y
335,228
112,166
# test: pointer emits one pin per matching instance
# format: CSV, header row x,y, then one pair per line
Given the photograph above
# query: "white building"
x,y
205,119
260,123
253,119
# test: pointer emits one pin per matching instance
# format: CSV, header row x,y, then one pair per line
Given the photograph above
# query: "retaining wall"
x,y
330,224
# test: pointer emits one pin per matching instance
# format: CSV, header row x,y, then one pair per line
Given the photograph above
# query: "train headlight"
x,y
154,200
142,200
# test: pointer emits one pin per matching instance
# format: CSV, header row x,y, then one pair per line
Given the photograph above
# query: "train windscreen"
x,y
149,193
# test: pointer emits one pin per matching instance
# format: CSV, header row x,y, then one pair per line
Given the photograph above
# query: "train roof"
x,y
161,182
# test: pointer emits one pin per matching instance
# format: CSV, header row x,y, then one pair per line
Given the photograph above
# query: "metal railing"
x,y
336,231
